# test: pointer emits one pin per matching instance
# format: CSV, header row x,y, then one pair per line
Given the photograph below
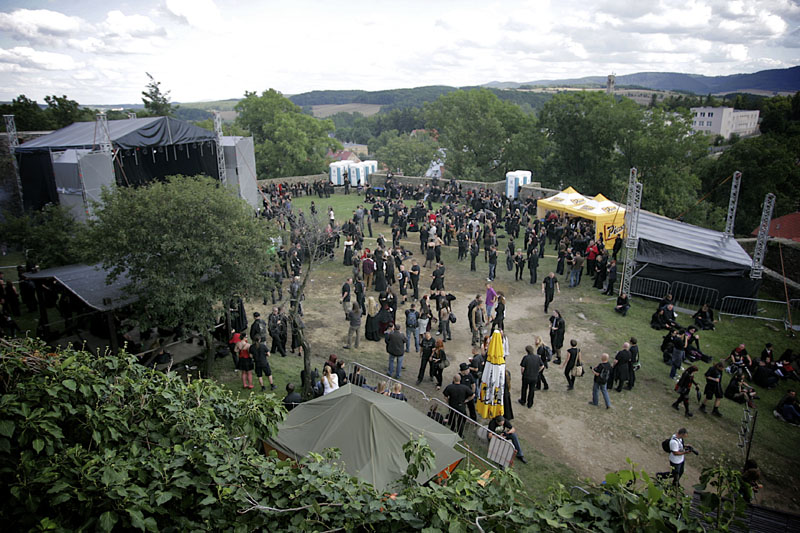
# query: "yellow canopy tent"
x,y
609,218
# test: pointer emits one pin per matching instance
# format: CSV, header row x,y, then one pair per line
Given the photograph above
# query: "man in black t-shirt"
x,y
292,399
469,381
503,427
457,395
345,299
602,373
415,270
260,353
713,388
549,288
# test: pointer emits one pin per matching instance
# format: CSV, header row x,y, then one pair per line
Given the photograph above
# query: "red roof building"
x,y
344,155
785,227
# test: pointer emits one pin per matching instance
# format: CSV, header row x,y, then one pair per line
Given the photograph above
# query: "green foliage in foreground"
x,y
102,443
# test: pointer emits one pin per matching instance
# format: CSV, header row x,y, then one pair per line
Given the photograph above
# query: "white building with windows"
x,y
724,121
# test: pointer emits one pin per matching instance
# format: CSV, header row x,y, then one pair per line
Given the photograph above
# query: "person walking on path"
x,y
354,315
530,367
677,457
395,344
426,350
549,288
557,329
684,387
573,359
490,299
602,373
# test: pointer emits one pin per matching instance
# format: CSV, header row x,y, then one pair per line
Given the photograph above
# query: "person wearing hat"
x,y
468,381
258,331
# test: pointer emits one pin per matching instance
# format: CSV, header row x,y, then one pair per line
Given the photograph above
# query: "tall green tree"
x,y
186,245
477,129
287,142
409,154
156,101
64,111
49,237
28,114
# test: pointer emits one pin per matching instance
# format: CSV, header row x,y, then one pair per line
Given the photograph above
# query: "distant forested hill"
x,y
775,80
406,98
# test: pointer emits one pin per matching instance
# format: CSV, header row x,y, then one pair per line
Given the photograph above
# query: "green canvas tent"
x,y
370,430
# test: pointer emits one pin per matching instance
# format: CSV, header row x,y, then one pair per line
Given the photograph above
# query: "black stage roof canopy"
x,y
126,134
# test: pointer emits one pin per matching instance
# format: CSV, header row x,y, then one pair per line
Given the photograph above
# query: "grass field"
x,y
571,439
326,110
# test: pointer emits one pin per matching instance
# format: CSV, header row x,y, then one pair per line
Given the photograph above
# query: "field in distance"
x,y
326,110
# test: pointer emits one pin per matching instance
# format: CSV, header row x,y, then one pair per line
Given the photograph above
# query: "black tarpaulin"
x,y
125,134
88,283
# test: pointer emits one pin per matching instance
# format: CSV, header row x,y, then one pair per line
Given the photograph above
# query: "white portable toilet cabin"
x,y
336,174
515,180
372,167
356,173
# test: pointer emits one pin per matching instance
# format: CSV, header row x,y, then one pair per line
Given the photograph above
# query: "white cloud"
x,y
26,57
117,23
38,24
202,14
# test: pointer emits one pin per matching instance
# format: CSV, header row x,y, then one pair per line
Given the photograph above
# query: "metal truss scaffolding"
x,y
732,204
223,177
757,269
634,202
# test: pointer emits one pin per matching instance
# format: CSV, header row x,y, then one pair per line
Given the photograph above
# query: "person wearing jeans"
x,y
412,328
395,344
601,374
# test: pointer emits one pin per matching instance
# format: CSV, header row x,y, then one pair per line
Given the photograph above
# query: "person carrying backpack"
x,y
677,452
602,373
412,328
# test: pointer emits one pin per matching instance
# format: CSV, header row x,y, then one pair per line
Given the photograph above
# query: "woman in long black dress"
x,y
573,358
380,273
348,252
562,255
371,326
430,253
557,329
602,271
508,411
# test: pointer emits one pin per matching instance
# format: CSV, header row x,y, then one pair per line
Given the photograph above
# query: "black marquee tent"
x,y
146,149
673,251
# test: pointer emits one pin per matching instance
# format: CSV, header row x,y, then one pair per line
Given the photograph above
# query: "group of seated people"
x,y
334,376
665,316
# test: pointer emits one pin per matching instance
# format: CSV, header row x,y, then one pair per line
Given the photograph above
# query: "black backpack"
x,y
411,318
665,445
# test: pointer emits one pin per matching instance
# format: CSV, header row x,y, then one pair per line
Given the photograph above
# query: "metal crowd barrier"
x,y
649,288
739,307
694,295
475,436
792,321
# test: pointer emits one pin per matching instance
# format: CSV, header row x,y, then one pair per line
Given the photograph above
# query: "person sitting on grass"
x,y
788,408
740,392
623,304
704,318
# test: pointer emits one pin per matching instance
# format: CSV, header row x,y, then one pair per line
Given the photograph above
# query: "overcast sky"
x,y
214,49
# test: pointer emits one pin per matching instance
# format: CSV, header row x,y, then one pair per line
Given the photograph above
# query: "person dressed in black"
x,y
684,387
530,367
704,318
573,359
623,304
634,349
469,381
278,330
557,329
622,367
427,344
457,395
438,278
474,250
549,288
414,276
292,399
612,277
533,264
544,354
499,313
713,388
519,263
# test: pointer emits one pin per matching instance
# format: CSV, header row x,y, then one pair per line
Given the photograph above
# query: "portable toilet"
x,y
337,173
356,174
515,180
372,167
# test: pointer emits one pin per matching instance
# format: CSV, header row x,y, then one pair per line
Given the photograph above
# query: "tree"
x,y
228,128
155,101
49,237
287,142
64,111
410,154
476,129
186,245
28,114
584,130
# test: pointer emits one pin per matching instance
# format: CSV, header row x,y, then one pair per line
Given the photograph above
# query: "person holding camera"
x,y
677,452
